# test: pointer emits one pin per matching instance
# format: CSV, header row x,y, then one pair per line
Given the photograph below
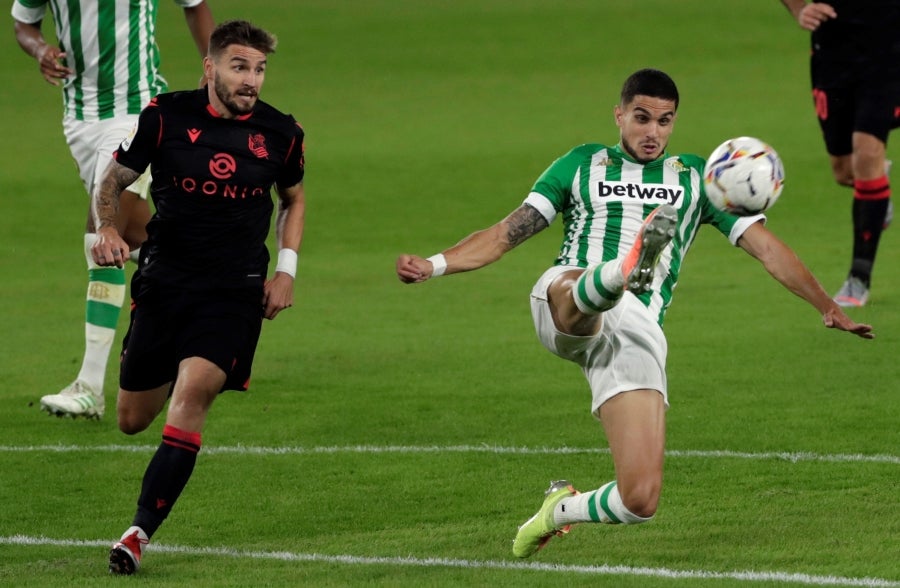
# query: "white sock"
x,y
599,288
603,505
104,300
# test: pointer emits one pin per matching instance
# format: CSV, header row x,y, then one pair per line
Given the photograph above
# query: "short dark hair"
x,y
241,32
649,82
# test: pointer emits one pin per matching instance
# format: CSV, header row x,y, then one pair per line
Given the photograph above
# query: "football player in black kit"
x,y
200,291
855,68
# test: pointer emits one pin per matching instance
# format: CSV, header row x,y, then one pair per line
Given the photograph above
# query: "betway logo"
x,y
671,194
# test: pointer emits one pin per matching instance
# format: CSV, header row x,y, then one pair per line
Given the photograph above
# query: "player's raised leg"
x,y
601,287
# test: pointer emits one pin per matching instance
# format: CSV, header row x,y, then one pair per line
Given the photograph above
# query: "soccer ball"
x,y
744,176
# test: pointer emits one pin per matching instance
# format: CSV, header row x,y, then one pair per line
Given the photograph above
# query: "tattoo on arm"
x,y
106,201
524,222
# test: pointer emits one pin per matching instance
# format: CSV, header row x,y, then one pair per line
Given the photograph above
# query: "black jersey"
x,y
861,45
212,180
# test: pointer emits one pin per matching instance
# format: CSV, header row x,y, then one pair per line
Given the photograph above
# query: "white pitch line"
x,y
441,562
496,449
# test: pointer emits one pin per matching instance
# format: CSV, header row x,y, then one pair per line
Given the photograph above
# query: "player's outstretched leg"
x,y
534,534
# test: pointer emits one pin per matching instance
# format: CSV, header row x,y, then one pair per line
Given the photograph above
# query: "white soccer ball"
x,y
743,176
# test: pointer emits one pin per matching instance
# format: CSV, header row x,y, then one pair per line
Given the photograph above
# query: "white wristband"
x,y
440,265
287,262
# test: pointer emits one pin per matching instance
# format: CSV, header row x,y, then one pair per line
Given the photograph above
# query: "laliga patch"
x,y
676,165
126,143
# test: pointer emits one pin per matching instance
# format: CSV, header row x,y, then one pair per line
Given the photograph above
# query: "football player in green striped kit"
x,y
630,213
107,63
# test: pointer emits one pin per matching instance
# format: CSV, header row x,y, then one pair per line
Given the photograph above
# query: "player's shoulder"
x,y
265,113
587,149
181,100
582,153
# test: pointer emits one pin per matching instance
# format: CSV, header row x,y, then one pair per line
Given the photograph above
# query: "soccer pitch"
x,y
397,435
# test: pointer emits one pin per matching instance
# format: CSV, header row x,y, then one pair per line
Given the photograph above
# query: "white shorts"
x,y
628,353
92,145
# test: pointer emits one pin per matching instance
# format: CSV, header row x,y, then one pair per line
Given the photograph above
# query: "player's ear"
x,y
208,67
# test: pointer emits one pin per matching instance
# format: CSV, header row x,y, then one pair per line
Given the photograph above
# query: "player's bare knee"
x,y
843,177
842,170
641,499
645,509
132,423
130,427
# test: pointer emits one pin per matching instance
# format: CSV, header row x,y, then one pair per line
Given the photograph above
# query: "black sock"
x,y
870,202
166,476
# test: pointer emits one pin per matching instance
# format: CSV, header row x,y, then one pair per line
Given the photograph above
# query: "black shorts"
x,y
867,105
167,326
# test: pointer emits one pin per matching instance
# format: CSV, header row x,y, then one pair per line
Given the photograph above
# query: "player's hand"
x,y
836,319
109,248
814,14
412,269
278,294
50,60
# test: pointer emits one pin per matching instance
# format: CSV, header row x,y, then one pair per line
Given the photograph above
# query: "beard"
x,y
637,156
228,99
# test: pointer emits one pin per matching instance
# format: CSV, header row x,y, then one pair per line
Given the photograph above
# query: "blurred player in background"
x,y
855,72
107,62
630,213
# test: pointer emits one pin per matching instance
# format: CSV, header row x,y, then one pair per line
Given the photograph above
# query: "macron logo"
x,y
621,190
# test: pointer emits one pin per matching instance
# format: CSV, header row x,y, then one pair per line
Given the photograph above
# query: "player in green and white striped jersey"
x,y
605,195
630,213
107,62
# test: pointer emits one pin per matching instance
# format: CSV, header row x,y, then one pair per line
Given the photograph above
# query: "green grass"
x,y
409,429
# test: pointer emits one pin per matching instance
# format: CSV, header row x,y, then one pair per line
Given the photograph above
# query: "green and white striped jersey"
x,y
604,196
111,45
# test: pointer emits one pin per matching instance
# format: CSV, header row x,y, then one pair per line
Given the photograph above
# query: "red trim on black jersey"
x,y
212,111
290,149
